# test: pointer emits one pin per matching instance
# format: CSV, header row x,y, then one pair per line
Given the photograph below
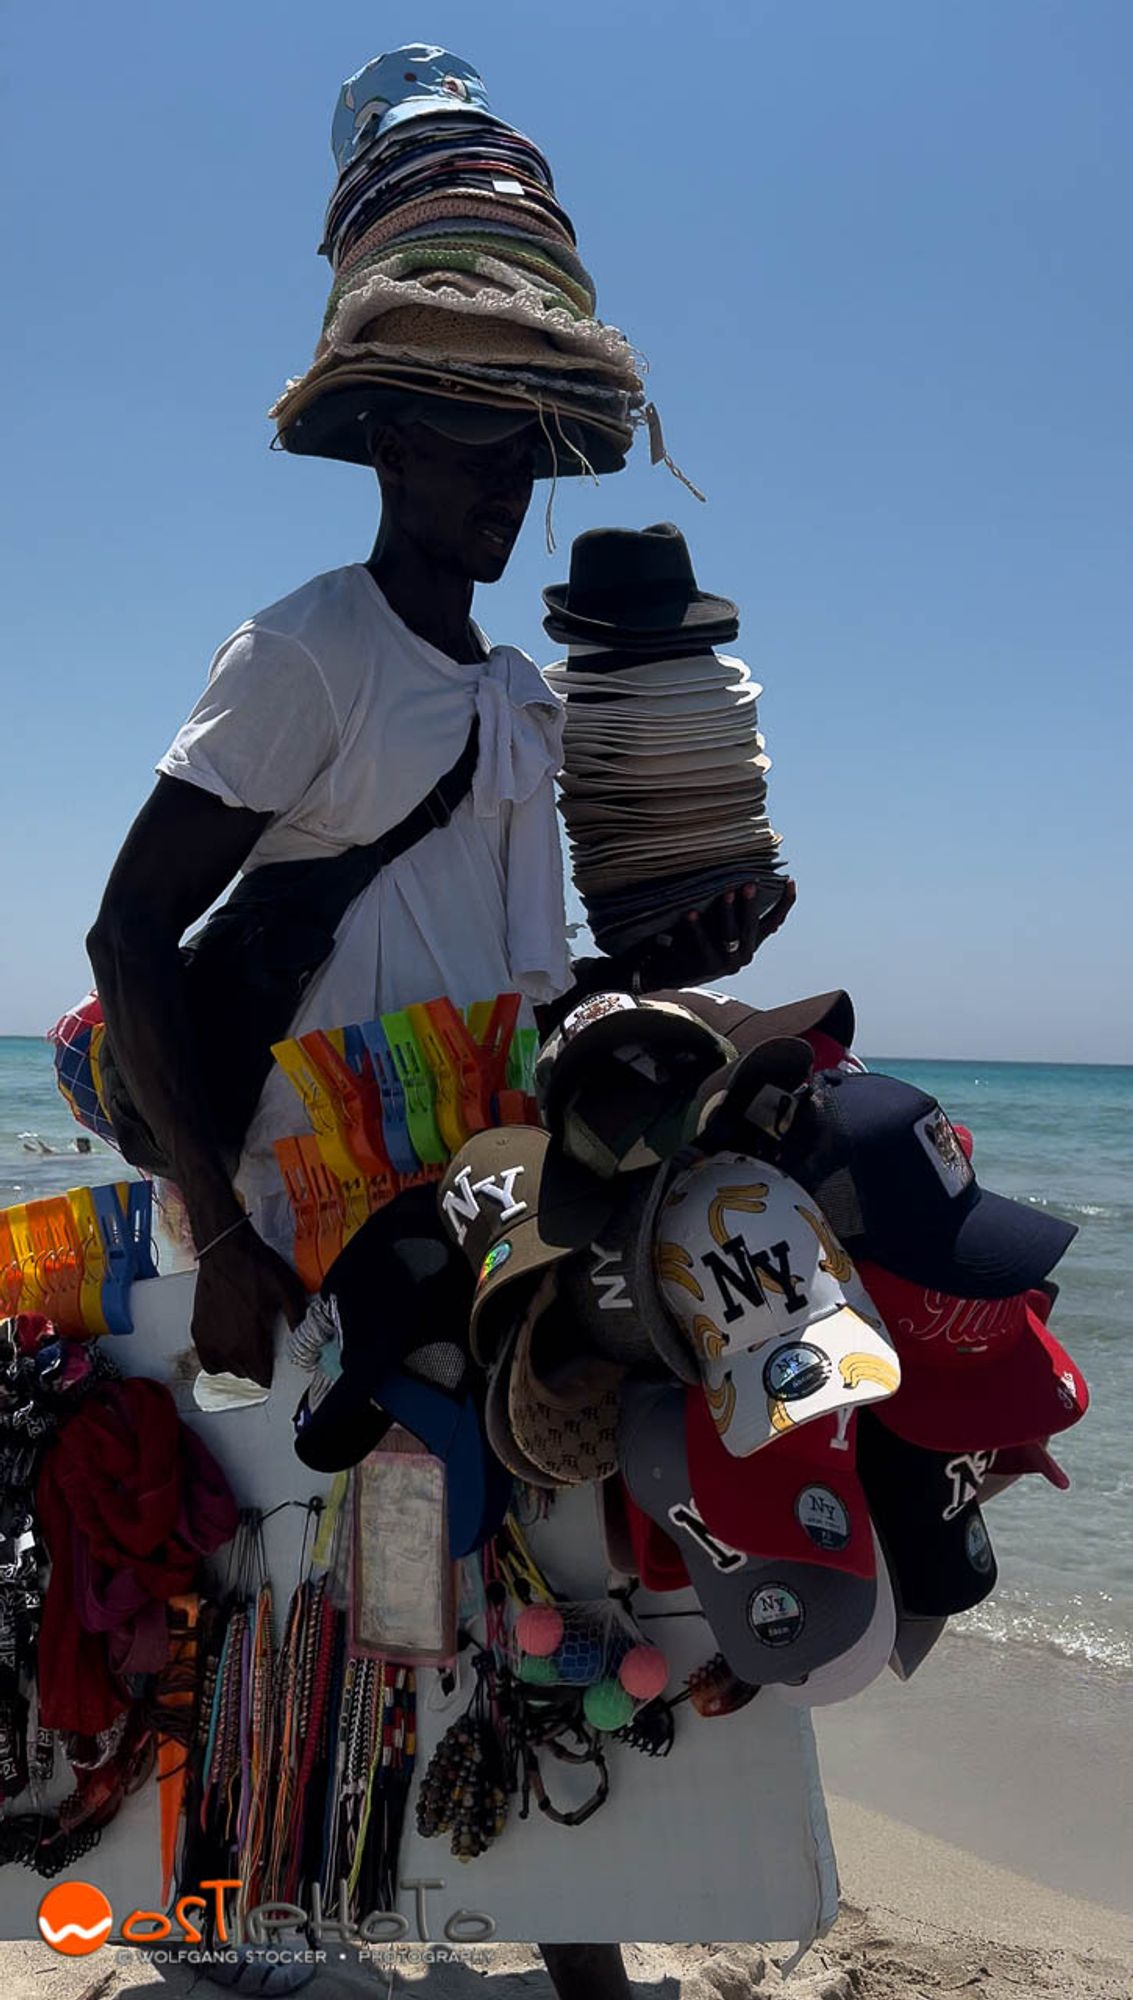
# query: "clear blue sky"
x,y
878,257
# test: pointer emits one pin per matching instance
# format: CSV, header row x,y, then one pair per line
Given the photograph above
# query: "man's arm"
x,y
180,854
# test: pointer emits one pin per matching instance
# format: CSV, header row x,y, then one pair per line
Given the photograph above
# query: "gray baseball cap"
x,y
774,1621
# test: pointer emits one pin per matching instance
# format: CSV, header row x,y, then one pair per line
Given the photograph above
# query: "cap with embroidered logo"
x,y
976,1374
774,1618
614,1080
892,1176
515,1207
612,1289
926,1508
768,1299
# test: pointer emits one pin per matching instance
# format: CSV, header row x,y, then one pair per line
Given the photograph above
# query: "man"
x,y
299,746
326,719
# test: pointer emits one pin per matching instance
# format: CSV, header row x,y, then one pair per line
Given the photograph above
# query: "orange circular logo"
x,y
75,1918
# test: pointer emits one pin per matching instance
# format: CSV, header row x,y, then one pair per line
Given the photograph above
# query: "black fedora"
x,y
623,580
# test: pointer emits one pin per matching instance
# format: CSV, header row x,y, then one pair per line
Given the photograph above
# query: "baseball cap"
x,y
562,1402
773,1619
515,1206
754,1097
611,1286
657,1559
925,1507
861,1664
497,1419
400,1296
830,1014
615,1078
976,1374
769,1300
803,1499
418,80
882,1159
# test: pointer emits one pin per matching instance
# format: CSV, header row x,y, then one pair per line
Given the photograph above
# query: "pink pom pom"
x,y
644,1672
539,1630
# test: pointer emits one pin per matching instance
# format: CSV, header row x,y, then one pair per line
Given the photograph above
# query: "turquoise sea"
x,y
1057,1135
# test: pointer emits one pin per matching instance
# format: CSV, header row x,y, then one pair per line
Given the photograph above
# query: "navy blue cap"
x,y
925,1507
896,1186
402,1295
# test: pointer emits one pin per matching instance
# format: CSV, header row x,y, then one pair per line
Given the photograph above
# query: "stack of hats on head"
x,y
664,790
459,298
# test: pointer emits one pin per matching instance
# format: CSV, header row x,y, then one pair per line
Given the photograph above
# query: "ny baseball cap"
x,y
775,1620
614,1080
400,1297
926,1509
887,1167
801,1499
514,1206
976,1374
611,1286
769,1301
417,81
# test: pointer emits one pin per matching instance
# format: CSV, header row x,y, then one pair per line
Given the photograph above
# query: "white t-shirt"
x,y
328,712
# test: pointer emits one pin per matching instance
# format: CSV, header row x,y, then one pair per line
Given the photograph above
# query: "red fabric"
x,y
128,1501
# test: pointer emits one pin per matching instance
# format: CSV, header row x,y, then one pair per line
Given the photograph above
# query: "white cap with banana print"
x,y
770,1302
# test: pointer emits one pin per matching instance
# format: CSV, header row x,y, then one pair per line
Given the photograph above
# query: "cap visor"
x,y
858,1667
1001,1247
852,1365
342,1430
915,1640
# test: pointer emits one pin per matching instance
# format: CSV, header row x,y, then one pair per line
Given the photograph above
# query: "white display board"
x,y
725,1839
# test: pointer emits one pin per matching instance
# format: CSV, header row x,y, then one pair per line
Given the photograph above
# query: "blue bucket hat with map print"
x,y
412,82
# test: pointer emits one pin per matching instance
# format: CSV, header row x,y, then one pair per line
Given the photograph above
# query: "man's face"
x,y
463,505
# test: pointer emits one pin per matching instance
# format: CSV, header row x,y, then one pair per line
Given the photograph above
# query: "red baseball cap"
x,y
800,1499
1017,1460
976,1374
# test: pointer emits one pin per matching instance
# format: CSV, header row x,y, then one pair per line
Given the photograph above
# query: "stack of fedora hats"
x,y
458,290
664,789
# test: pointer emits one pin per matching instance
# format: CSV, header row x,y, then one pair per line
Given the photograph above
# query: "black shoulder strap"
x,y
322,891
356,868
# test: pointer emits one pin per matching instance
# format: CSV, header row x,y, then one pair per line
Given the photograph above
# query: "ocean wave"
x,y
1069,1633
1116,1212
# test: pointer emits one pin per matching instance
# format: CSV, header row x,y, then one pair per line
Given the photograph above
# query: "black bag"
x,y
246,971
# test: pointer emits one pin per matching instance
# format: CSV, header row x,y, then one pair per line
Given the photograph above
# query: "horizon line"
x,y
1003,1062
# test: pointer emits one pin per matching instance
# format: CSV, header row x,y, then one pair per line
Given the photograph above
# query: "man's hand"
x,y
706,944
242,1288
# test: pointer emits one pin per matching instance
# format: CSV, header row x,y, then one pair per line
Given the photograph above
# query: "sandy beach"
x,y
983,1821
